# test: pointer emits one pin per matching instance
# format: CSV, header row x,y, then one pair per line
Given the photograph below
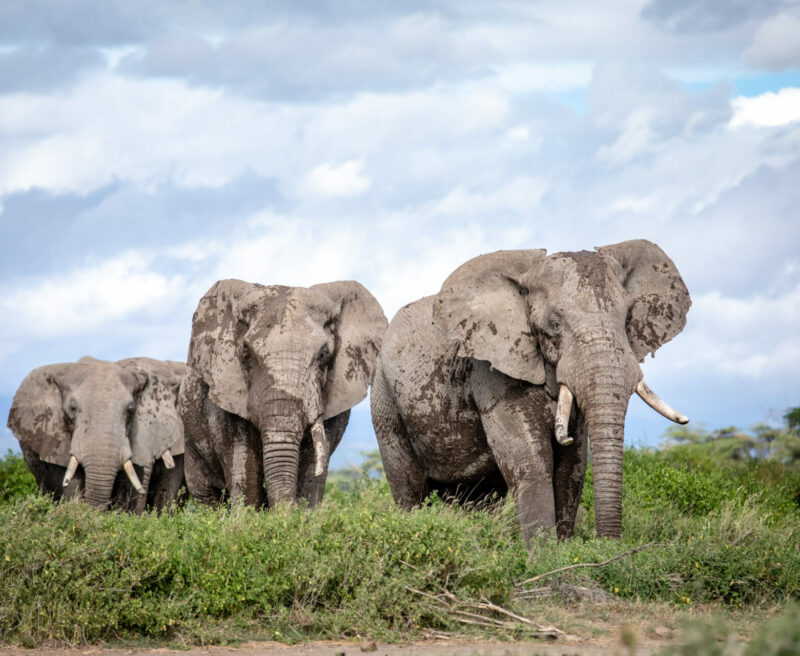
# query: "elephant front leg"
x,y
570,471
311,487
517,420
246,472
405,474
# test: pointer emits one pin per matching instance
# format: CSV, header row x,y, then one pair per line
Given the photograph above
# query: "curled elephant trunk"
x,y
281,461
99,485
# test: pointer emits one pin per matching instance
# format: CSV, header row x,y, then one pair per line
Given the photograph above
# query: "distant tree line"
x,y
762,442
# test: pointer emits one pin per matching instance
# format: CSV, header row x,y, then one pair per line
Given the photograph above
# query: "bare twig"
x,y
463,612
605,562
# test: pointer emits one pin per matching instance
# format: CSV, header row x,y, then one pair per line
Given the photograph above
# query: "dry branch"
x,y
468,612
602,564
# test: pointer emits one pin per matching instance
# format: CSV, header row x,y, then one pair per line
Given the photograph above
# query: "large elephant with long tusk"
x,y
500,380
107,432
274,371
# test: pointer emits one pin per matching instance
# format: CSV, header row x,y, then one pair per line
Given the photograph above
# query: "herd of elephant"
x,y
496,384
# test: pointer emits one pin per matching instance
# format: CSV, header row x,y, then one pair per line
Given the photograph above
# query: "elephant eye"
x,y
131,408
72,408
554,323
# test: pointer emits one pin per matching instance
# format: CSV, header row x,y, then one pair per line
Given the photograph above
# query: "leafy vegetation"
x,y
15,479
359,566
718,524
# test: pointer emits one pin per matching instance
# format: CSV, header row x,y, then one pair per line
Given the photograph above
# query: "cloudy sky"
x,y
148,149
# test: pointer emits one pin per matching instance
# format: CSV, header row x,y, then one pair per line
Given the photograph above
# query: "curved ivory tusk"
x,y
71,469
320,446
169,462
651,399
563,411
134,479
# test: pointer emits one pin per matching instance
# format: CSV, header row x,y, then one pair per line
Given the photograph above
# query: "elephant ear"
x,y
659,298
156,425
482,307
215,348
360,327
37,414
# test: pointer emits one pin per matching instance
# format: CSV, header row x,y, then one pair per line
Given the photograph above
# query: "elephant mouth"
x,y
130,472
566,398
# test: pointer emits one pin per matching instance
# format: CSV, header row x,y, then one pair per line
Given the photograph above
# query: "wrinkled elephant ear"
x,y
658,295
482,307
360,327
156,425
37,414
215,346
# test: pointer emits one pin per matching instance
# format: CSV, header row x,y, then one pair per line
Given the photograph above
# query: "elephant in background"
x,y
80,423
498,382
273,373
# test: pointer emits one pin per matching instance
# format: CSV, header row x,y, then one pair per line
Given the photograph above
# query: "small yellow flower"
x,y
616,590
575,560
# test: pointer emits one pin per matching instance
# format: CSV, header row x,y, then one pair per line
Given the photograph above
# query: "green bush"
x,y
358,565
15,479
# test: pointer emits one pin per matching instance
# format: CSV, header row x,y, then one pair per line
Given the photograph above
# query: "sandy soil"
x,y
565,646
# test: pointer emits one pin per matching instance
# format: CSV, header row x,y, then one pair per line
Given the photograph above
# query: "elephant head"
x,y
94,418
580,322
285,359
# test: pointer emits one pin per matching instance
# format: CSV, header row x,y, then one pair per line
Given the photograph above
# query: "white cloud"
x,y
520,195
345,180
746,338
776,43
769,109
87,300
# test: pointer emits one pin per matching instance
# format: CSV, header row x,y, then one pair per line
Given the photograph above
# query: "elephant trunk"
x,y
282,432
603,377
605,420
99,483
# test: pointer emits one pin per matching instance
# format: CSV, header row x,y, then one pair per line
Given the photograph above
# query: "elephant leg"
x,y
166,484
141,499
310,487
246,472
569,474
199,477
48,477
403,470
517,420
203,469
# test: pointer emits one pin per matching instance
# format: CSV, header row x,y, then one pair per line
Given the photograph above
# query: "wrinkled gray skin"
x,y
268,364
102,413
465,393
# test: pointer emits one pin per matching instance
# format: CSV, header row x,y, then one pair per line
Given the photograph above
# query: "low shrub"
x,y
359,565
15,478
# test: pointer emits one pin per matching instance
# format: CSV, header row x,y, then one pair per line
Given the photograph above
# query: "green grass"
x,y
357,564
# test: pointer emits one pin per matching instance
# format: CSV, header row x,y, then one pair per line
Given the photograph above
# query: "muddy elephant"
x,y
498,382
107,432
273,374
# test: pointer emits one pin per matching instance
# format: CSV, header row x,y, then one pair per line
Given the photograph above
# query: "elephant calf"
x,y
273,374
80,423
475,386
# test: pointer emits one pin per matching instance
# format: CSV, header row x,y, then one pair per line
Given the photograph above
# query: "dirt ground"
x,y
564,646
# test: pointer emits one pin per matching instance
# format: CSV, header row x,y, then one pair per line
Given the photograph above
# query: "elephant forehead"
x,y
585,276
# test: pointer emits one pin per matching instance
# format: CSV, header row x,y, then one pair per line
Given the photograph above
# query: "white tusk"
x,y
71,469
320,446
563,411
169,462
651,399
134,479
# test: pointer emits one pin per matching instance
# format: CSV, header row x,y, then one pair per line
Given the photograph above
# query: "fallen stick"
x,y
605,562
